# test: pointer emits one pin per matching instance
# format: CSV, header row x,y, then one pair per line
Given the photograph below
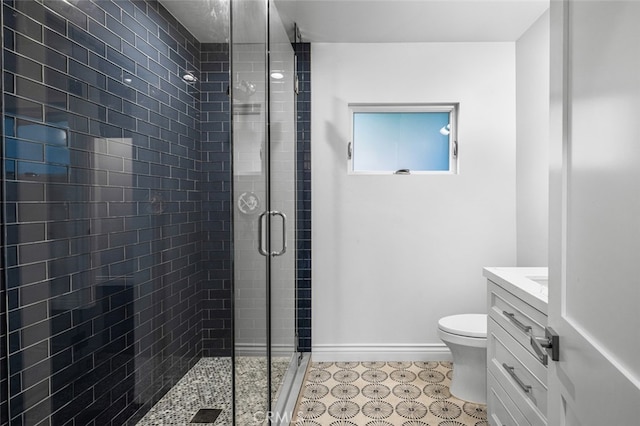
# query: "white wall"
x,y
532,153
392,254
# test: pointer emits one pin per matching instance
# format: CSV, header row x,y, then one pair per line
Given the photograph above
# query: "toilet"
x,y
466,337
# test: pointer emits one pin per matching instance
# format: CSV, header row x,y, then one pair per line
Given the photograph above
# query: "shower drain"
x,y
206,415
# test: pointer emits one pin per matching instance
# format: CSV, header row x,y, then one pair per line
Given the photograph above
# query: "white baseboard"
x,y
380,352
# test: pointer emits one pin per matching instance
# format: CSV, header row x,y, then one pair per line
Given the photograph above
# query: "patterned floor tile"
x,y
383,394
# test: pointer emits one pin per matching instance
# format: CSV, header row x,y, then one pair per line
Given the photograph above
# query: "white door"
x,y
595,213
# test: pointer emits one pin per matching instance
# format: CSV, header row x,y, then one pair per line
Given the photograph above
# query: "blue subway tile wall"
x,y
303,211
8,258
104,219
216,204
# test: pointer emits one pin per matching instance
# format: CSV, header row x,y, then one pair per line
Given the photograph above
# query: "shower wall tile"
x,y
7,215
303,211
216,204
104,225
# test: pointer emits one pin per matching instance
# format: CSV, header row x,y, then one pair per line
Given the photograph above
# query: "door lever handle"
x,y
547,345
539,344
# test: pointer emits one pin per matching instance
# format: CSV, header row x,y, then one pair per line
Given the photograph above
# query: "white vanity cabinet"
x,y
516,373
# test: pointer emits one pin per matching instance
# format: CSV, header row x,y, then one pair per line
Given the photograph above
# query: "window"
x,y
403,139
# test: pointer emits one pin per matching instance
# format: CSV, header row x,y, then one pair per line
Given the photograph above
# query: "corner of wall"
x,y
532,144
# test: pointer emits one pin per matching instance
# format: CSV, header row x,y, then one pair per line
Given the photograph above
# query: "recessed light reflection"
x,y
277,75
189,77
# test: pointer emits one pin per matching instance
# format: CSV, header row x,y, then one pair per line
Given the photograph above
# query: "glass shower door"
x,y
249,91
263,135
282,153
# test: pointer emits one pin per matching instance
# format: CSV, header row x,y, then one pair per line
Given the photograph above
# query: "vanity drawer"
x,y
501,410
515,316
516,370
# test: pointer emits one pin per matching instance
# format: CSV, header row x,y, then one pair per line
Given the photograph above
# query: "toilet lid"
x,y
470,325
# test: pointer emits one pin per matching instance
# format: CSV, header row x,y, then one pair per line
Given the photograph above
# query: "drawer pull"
x,y
513,319
512,373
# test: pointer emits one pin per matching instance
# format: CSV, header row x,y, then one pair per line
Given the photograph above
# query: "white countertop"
x,y
529,284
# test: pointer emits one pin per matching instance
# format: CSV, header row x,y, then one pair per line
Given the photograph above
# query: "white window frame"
x,y
451,108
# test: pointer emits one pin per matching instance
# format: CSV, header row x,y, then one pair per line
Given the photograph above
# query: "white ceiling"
x,y
412,20
366,21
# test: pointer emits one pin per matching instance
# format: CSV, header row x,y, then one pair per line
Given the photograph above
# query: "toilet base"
x,y
466,337
469,381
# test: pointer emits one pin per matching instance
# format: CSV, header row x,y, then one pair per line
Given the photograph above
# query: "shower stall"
x,y
150,205
264,232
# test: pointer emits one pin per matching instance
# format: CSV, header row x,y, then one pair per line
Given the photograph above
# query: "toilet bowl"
x,y
466,337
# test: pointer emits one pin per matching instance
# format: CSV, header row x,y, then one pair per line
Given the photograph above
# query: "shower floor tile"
x,y
383,394
206,386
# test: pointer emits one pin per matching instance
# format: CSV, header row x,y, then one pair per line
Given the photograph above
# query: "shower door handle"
x,y
261,234
284,233
261,219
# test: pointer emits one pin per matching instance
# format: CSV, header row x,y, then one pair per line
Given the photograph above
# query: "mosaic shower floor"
x,y
383,394
208,385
